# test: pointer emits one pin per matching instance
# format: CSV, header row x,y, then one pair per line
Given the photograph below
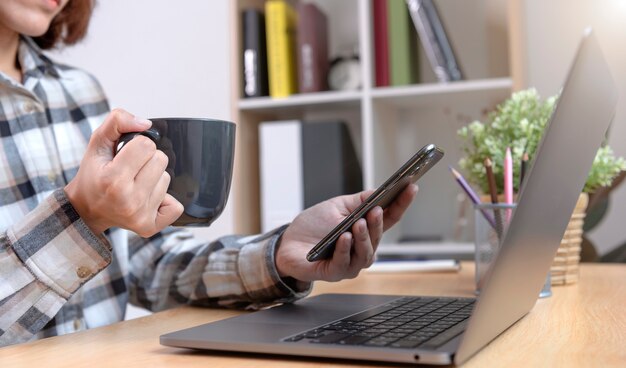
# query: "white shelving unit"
x,y
388,124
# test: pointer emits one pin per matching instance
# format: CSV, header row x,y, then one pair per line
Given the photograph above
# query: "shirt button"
x,y
29,107
52,176
83,272
77,324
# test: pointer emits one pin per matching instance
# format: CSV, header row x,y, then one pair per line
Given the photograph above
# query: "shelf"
x,y
426,249
330,98
422,94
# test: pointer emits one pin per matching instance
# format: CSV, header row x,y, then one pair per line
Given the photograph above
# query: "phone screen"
x,y
409,173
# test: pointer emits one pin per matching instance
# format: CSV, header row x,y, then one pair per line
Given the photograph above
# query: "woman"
x,y
65,263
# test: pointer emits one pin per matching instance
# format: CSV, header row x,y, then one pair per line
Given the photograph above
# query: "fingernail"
x,y
362,226
143,122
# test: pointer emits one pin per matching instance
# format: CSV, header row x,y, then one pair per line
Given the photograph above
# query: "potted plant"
x,y
518,123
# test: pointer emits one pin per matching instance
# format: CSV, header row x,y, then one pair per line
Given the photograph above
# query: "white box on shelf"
x,y
282,188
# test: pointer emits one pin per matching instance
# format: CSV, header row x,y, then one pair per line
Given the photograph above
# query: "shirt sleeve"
x,y
174,268
44,259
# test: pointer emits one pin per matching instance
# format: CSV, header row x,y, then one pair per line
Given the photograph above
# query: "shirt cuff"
x,y
57,247
257,268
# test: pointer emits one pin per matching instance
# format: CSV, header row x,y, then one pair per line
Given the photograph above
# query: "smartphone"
x,y
409,173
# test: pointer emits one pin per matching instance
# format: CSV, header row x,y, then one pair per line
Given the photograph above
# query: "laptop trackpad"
x,y
274,323
311,312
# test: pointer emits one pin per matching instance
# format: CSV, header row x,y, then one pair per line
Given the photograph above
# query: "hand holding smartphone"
x,y
408,173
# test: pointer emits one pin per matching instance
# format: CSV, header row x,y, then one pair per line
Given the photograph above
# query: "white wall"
x,y
553,30
161,58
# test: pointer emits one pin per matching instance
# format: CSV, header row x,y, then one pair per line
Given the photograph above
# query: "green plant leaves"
x,y
519,123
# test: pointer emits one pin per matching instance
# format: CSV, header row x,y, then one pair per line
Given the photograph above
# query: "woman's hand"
x,y
350,256
128,190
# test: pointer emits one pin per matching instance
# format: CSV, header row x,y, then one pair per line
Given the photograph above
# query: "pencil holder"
x,y
490,223
564,269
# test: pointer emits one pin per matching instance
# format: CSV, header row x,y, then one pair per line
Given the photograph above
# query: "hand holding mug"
x,y
201,156
128,190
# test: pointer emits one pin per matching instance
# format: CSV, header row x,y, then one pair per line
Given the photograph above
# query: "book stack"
x,y
396,25
395,44
285,49
434,39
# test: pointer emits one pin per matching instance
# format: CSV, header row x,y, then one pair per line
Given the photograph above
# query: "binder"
x,y
254,54
434,39
402,45
381,44
302,164
312,49
280,25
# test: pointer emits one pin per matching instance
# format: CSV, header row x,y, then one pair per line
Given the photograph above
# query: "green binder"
x,y
402,44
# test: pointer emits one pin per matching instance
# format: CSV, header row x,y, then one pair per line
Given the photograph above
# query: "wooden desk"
x,y
580,325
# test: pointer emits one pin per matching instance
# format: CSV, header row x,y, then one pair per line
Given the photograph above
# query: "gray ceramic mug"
x,y
201,155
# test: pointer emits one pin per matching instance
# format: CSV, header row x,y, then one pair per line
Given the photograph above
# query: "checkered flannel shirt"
x,y
56,276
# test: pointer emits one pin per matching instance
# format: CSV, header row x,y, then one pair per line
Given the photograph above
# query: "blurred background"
x,y
155,59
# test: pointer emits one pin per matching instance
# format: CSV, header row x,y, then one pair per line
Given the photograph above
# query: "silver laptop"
x,y
435,330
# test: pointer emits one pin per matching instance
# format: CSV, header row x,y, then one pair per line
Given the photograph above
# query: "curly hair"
x,y
69,26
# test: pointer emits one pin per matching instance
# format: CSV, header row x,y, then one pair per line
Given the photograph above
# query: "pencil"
x,y
472,195
508,181
493,191
522,171
491,180
508,177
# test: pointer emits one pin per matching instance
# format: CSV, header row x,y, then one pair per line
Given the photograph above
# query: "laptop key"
x,y
354,340
331,338
405,344
375,342
444,337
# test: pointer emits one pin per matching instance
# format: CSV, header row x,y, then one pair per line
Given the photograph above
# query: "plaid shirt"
x,y
56,276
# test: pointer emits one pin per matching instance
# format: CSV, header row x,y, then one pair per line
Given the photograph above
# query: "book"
x,y
312,48
381,44
280,24
254,54
434,39
302,164
402,45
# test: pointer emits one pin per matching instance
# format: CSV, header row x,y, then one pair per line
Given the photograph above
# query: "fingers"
x,y
363,250
375,226
117,123
396,209
150,174
160,190
168,212
351,256
135,155
340,262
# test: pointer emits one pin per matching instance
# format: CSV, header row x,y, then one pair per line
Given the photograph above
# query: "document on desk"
x,y
434,265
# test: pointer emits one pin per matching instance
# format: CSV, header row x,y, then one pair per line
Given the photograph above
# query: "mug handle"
x,y
151,133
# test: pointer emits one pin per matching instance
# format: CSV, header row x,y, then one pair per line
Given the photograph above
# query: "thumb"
x,y
117,123
352,201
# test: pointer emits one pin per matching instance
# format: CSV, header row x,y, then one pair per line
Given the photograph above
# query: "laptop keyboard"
x,y
408,322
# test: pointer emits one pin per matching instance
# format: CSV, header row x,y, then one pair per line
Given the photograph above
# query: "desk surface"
x,y
580,325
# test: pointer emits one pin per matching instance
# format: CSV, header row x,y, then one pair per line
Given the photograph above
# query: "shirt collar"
x,y
33,61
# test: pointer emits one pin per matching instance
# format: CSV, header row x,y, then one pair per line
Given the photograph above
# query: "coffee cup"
x,y
201,154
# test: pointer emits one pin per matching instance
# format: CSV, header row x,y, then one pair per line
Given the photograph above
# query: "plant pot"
x,y
564,269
